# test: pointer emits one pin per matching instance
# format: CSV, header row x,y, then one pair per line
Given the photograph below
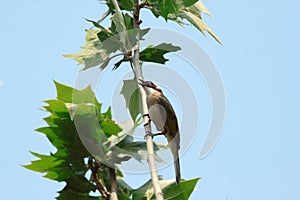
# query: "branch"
x,y
138,74
149,141
113,184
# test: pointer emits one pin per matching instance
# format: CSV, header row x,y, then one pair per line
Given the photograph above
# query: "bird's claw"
x,y
148,133
146,115
149,119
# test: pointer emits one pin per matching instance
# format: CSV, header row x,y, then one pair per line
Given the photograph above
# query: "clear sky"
x,y
257,156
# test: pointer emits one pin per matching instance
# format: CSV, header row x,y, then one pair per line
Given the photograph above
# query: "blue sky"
x,y
257,156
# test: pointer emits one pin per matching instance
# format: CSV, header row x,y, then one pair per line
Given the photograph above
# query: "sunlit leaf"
x,y
92,53
198,23
179,10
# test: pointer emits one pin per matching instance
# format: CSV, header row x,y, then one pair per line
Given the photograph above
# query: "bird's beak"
x,y
142,83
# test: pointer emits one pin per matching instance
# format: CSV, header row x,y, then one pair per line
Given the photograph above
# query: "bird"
x,y
162,114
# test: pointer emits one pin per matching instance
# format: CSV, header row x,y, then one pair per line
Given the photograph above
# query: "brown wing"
x,y
171,123
172,133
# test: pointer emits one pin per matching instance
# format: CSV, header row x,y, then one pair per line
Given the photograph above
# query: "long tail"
x,y
174,146
177,169
175,152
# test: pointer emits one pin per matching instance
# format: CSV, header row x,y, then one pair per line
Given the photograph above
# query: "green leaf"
x,y
128,147
188,3
144,192
100,44
110,127
79,184
128,21
89,110
189,10
125,148
59,172
126,5
193,15
118,21
54,138
92,135
96,24
156,53
169,7
127,35
123,5
107,114
75,116
85,95
45,163
181,191
77,187
171,190
64,93
124,190
135,104
57,108
66,132
111,43
132,97
92,53
104,16
69,194
69,96
56,168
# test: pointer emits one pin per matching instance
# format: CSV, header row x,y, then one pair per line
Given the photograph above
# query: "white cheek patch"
x,y
158,116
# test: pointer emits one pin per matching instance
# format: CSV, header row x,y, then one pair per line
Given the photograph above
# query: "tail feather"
x,y
174,146
177,170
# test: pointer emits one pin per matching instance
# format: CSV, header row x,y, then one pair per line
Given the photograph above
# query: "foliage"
x,y
73,111
89,143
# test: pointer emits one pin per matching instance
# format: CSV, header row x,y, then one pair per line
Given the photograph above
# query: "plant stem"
x,y
149,141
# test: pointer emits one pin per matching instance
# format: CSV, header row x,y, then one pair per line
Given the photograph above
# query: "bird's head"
x,y
149,85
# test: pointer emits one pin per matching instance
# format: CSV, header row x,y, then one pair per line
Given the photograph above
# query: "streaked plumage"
x,y
164,118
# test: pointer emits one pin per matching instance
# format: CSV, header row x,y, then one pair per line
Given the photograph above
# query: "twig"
x,y
149,141
95,168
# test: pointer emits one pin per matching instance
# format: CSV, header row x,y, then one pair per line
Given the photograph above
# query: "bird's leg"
x,y
164,132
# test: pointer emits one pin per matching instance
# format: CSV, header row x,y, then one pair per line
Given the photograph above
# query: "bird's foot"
x,y
149,120
146,115
153,134
148,133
